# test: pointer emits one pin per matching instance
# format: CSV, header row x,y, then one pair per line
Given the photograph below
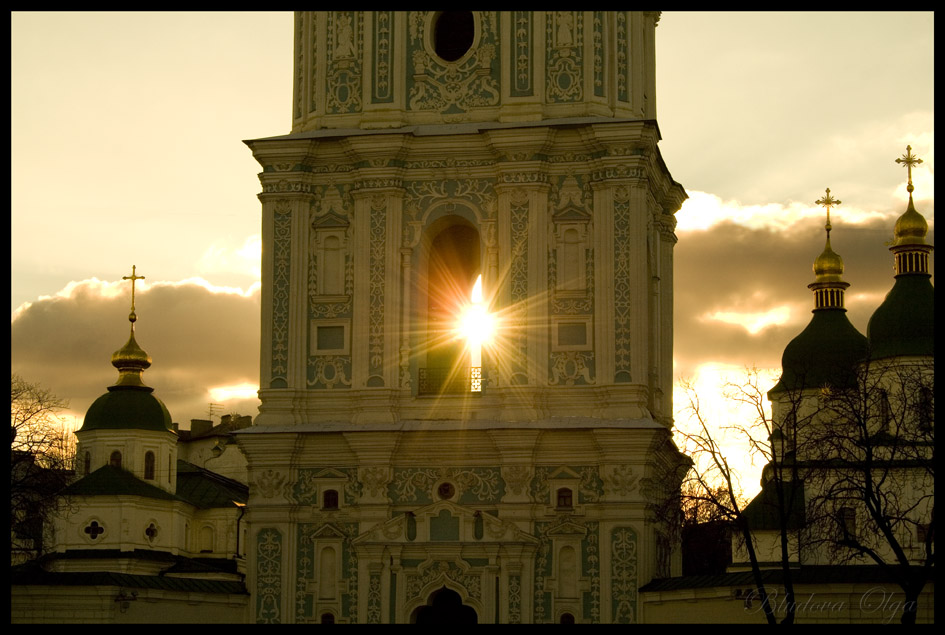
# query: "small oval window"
x,y
453,33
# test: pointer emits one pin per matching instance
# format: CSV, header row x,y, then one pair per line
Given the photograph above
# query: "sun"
x,y
476,325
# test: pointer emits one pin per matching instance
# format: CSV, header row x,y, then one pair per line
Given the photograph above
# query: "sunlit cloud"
x,y
702,210
237,391
225,258
751,322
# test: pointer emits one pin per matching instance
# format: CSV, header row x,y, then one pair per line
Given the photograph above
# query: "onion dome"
x,y
827,351
904,324
129,404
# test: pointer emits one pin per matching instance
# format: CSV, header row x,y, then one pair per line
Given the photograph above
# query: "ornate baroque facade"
x,y
428,148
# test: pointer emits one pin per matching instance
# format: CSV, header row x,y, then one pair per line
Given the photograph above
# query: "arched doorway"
x,y
445,606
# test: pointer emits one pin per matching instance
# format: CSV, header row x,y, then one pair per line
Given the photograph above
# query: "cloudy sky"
x,y
127,148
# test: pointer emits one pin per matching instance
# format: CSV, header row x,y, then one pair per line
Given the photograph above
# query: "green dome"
x,y
825,353
904,324
128,408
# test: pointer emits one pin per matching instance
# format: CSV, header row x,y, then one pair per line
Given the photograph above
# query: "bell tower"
x,y
520,460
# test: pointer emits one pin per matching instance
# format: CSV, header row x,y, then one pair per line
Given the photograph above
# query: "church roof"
x,y
904,324
205,489
199,487
762,512
128,408
114,481
32,573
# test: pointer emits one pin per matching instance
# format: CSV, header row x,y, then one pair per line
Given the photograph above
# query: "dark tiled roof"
x,y
205,489
113,481
34,574
762,512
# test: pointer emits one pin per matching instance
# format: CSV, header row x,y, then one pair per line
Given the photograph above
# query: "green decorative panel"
x,y
518,281
590,563
378,271
452,87
307,536
521,63
374,598
599,57
268,576
623,56
623,576
382,80
477,485
515,599
564,57
282,254
622,290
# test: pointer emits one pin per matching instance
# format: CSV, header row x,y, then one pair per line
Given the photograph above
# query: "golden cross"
x,y
909,159
132,277
827,201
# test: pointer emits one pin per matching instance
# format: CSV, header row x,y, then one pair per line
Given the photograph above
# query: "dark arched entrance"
x,y
445,607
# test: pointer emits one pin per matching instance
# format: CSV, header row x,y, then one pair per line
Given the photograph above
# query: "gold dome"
x,y
131,361
829,265
911,228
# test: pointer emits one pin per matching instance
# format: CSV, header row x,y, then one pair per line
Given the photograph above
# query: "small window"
x,y
330,499
88,463
847,522
453,33
115,459
565,499
328,618
566,618
149,466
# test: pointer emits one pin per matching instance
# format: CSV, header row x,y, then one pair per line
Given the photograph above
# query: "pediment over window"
x,y
571,214
327,531
330,220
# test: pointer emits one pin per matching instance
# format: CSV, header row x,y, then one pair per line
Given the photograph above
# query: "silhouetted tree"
x,y
874,459
42,454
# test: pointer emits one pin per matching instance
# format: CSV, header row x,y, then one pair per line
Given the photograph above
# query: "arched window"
x,y
87,467
566,618
328,618
115,459
565,499
149,466
452,268
330,499
453,34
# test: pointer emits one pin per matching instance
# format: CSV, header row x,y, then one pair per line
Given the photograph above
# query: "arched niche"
x,y
450,260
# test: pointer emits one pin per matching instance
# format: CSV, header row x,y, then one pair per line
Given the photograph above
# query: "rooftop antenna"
x,y
210,407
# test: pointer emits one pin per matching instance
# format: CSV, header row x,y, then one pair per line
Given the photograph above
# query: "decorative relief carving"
x,y
623,56
564,58
382,78
375,480
308,535
475,484
590,490
329,371
270,483
374,598
344,73
516,478
299,64
545,565
521,57
598,44
443,571
622,285
378,272
515,599
282,253
268,576
421,196
570,368
623,565
452,88
622,481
